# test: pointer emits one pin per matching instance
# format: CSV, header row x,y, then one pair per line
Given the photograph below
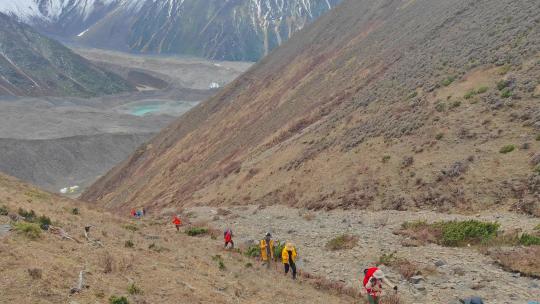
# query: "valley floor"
x,y
461,272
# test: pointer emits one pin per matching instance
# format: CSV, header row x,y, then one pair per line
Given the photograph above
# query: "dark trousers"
x,y
292,266
229,242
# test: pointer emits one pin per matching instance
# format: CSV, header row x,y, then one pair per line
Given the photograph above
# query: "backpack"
x,y
368,274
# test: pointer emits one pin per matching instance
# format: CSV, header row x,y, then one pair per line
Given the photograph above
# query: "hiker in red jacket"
x,y
227,235
374,279
177,222
133,213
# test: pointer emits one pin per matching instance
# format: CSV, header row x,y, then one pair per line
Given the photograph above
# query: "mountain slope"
x,y
226,30
161,265
372,106
33,65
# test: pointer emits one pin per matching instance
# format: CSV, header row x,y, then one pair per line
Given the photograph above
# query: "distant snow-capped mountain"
x,y
217,29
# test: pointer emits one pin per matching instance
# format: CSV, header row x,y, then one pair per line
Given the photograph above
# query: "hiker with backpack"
x,y
267,249
288,257
177,222
374,279
227,236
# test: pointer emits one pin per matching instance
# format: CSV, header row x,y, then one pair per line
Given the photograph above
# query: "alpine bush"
x,y
456,233
4,210
507,149
195,231
252,251
529,240
118,300
30,230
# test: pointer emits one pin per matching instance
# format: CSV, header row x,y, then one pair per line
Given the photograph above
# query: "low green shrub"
x,y
195,231
129,244
387,259
248,265
386,158
30,230
118,300
415,225
439,136
537,169
506,93
501,85
4,210
451,233
469,94
134,289
278,249
252,251
219,259
507,149
482,90
529,240
44,222
457,233
412,95
75,211
537,137
440,107
131,227
448,81
29,216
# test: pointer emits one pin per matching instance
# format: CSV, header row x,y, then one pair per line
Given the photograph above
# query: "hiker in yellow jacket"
x,y
288,257
267,249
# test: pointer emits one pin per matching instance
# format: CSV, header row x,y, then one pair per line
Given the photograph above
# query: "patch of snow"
x,y
214,85
83,32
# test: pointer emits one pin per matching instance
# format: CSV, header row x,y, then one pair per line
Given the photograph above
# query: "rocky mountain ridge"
x,y
242,30
34,65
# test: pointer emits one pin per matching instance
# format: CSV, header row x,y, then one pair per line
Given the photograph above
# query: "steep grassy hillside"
x,y
380,104
33,65
145,261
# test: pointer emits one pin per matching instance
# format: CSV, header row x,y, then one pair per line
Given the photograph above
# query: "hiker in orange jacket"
x,y
177,222
374,279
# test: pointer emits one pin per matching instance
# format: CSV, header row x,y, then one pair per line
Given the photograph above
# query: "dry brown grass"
x,y
391,299
525,260
335,287
191,277
342,242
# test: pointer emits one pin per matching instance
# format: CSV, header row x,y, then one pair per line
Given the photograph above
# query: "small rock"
x,y
417,279
440,263
419,287
516,274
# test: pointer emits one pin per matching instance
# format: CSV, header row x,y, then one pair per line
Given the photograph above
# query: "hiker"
x,y
373,280
227,236
143,211
267,249
288,256
139,213
177,222
133,213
